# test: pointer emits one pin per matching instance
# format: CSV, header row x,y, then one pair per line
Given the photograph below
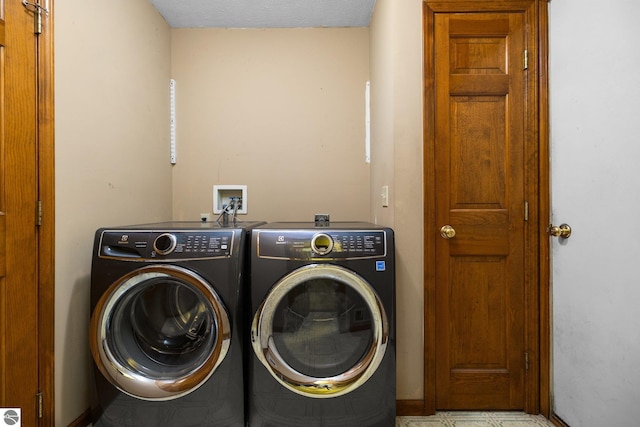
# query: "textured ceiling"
x,y
265,13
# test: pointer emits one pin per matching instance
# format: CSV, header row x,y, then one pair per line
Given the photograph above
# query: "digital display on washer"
x,y
173,245
332,244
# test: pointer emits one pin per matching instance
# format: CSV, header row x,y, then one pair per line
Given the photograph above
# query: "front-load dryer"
x,y
322,327
166,324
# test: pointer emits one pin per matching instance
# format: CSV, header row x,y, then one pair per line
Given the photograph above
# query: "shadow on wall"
x,y
74,351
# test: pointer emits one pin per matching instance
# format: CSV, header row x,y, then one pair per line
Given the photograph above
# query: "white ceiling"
x,y
265,13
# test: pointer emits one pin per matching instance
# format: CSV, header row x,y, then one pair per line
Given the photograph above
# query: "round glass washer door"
x,y
321,331
159,332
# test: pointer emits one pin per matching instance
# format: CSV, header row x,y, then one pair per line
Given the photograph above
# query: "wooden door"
x,y
480,194
26,222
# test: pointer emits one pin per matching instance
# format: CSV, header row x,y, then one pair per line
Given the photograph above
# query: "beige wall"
x,y
396,98
279,110
112,164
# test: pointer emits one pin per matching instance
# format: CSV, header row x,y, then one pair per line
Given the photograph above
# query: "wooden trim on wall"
x,y
429,343
46,231
429,380
544,210
557,421
409,407
83,420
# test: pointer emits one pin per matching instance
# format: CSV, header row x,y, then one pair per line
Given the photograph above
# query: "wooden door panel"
x,y
3,219
478,55
482,26
478,330
471,239
19,305
3,245
3,258
479,363
477,84
479,182
478,143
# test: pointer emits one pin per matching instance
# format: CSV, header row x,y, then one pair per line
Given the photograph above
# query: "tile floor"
x,y
475,419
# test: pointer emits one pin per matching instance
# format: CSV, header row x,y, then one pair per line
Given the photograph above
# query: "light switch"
x,y
385,196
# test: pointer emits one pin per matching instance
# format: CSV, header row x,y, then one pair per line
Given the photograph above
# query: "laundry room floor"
x,y
475,419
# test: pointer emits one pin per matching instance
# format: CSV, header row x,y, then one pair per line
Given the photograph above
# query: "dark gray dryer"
x,y
166,324
322,326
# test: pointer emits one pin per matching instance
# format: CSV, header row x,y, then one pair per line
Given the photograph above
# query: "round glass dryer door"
x,y
321,331
159,332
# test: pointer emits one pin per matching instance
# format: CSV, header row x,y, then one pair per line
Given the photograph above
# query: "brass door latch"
x,y
447,232
563,231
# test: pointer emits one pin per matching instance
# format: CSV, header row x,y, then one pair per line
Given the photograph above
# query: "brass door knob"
x,y
447,232
563,231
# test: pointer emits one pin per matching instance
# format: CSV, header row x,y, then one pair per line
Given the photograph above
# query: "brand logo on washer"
x,y
11,417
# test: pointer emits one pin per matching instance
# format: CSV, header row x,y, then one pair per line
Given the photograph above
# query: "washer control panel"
x,y
325,244
172,245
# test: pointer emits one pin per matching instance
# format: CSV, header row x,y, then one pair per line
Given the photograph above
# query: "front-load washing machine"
x,y
322,327
166,324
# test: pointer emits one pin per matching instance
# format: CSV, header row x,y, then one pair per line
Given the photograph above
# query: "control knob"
x,y
165,244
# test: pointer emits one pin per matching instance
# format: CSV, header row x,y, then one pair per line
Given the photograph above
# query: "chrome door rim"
x,y
305,385
134,383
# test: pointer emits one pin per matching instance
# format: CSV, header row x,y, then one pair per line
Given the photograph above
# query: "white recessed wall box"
x,y
224,195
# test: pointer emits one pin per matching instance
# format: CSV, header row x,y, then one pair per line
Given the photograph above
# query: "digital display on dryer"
x,y
299,244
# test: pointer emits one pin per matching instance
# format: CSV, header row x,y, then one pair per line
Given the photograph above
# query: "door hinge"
x,y
526,361
525,60
37,10
39,213
40,404
526,210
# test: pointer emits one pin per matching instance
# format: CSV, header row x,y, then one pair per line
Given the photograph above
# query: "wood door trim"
x,y
46,231
429,210
537,388
544,209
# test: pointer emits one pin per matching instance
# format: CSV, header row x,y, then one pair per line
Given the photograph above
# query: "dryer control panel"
x,y
171,246
325,244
